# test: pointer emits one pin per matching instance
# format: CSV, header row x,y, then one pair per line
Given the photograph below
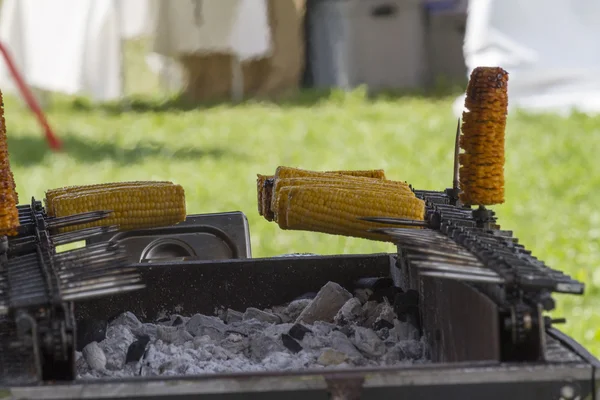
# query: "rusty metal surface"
x,y
345,386
200,287
461,324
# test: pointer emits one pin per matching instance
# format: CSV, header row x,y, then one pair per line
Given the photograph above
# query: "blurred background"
x,y
209,93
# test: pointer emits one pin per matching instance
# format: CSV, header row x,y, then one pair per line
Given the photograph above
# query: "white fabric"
x,y
134,18
549,47
67,46
238,27
74,46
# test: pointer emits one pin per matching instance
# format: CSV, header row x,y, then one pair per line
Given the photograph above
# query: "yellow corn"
x,y
264,183
335,210
80,189
9,214
348,182
134,207
482,163
289,172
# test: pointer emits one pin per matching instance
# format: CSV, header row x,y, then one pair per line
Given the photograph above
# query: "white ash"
x,y
342,333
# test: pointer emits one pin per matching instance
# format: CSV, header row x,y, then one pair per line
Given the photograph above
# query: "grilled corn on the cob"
x,y
336,210
9,214
265,183
482,163
333,202
135,206
80,189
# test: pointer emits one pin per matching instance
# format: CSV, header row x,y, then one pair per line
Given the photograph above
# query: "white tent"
x,y
550,48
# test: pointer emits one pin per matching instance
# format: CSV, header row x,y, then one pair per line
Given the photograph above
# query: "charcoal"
x,y
255,313
136,350
351,311
406,306
381,324
367,341
89,331
200,325
314,342
232,316
163,320
326,304
386,315
247,328
412,349
330,356
306,296
146,329
342,343
94,356
235,343
261,345
128,319
388,294
374,283
323,328
404,331
371,311
290,343
173,334
384,334
333,330
297,331
115,346
296,307
202,341
363,295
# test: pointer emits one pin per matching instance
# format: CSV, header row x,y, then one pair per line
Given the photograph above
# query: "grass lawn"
x,y
552,170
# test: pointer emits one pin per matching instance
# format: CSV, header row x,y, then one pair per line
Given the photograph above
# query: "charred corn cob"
x,y
134,207
481,174
289,172
335,211
9,214
80,189
260,191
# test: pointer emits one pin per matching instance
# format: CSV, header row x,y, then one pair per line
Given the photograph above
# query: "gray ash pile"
x,y
329,329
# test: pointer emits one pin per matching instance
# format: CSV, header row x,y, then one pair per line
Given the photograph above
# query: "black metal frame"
x,y
263,282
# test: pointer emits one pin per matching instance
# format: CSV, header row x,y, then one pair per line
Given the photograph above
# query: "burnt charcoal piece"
x,y
381,324
406,302
89,331
406,306
231,316
306,296
375,283
260,315
388,293
325,305
177,321
290,343
137,349
297,331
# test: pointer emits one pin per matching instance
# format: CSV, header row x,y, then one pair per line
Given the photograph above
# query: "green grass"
x,y
552,172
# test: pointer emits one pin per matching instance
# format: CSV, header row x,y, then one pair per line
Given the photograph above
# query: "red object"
x,y
53,141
